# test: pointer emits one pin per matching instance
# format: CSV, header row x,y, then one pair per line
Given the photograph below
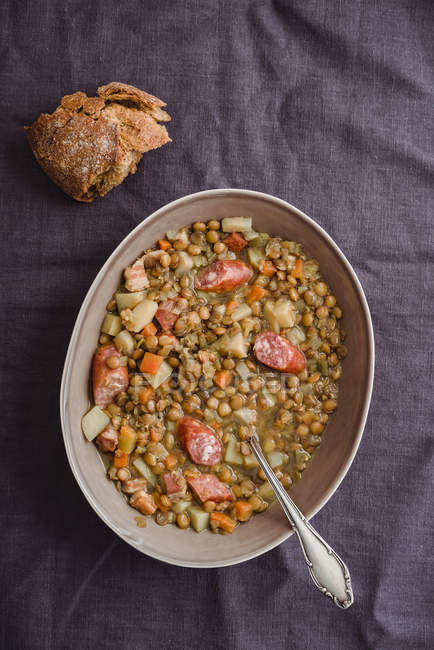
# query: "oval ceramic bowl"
x,y
341,438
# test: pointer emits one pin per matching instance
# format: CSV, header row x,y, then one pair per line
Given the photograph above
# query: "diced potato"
x,y
111,325
141,315
163,372
181,506
129,300
124,342
145,470
271,316
243,370
256,256
271,399
266,492
279,314
250,461
234,346
241,312
185,263
296,335
323,366
249,235
94,422
173,235
310,269
199,518
245,415
259,241
284,312
237,224
232,454
315,342
158,449
275,459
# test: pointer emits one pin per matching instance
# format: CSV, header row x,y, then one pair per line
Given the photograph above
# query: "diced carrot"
x,y
146,394
223,521
150,363
267,268
170,461
156,435
244,510
232,304
120,458
149,330
222,378
164,244
297,271
256,293
160,505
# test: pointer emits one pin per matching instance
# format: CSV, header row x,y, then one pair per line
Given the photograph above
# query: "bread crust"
x,y
90,144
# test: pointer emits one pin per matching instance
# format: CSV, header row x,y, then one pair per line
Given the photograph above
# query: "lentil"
x,y
182,520
113,362
212,237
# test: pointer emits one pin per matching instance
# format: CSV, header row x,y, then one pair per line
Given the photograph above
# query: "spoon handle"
x,y
329,573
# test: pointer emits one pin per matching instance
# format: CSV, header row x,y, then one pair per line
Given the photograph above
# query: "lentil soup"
x,y
216,332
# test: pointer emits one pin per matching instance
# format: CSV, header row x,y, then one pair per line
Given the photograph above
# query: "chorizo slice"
x,y
278,353
223,275
200,441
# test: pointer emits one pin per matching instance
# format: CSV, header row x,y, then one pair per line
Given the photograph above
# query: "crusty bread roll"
x,y
90,144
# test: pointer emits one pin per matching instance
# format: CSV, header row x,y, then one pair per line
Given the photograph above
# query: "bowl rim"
x,y
363,411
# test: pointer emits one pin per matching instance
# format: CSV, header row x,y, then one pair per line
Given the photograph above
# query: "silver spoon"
x,y
329,573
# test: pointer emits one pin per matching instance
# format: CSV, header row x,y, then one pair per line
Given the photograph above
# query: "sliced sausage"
x,y
201,442
235,242
134,485
107,440
135,276
207,487
107,382
277,352
174,483
143,502
167,313
223,275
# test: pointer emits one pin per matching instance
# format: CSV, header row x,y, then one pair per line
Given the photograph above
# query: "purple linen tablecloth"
x,y
327,104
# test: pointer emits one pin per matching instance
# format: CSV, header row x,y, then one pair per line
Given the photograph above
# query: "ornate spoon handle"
x,y
329,573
